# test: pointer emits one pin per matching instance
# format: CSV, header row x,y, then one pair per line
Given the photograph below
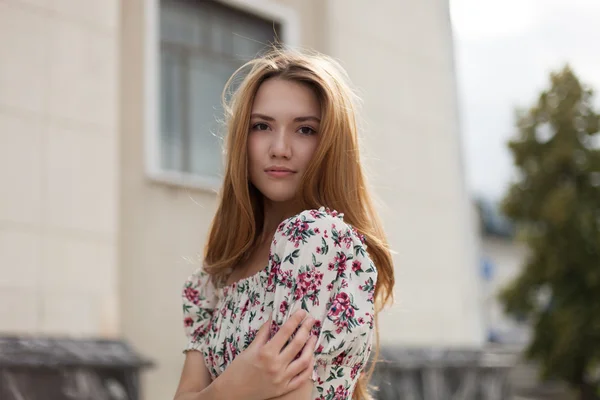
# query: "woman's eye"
x,y
307,130
260,126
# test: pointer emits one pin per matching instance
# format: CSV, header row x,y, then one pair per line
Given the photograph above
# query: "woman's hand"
x,y
266,369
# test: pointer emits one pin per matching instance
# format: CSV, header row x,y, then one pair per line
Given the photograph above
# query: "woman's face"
x,y
284,131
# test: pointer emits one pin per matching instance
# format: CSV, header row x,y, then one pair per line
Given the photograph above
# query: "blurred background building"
x,y
501,259
110,161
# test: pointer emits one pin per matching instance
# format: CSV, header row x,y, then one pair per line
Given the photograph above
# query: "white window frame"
x,y
287,19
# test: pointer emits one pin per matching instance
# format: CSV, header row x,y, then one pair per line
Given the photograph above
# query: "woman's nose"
x,y
280,145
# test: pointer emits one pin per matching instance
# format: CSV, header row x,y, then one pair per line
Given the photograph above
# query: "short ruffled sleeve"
x,y
199,298
320,263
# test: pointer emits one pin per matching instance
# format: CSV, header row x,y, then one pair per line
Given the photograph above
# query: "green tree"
x,y
555,205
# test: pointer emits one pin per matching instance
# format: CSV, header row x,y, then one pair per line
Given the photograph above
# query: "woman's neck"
x,y
274,213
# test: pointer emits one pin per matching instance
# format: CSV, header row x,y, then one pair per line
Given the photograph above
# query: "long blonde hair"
x,y
333,179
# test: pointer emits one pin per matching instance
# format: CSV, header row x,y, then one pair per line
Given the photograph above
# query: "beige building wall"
x,y
59,167
399,55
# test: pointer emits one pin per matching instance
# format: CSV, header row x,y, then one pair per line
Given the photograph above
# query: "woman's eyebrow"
x,y
297,119
262,116
307,118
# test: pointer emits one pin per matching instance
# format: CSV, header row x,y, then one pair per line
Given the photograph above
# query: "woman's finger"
x,y
299,379
296,345
286,331
262,336
304,361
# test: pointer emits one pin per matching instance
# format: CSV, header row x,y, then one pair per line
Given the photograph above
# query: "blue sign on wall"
x,y
487,269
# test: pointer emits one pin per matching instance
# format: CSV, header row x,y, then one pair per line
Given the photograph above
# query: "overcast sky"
x,y
505,50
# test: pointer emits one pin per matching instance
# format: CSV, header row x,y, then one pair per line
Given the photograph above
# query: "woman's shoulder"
x,y
197,278
323,222
198,288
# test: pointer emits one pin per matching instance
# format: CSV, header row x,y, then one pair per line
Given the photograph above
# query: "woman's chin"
x,y
284,195
280,197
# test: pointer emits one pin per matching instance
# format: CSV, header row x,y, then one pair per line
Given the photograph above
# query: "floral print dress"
x,y
316,262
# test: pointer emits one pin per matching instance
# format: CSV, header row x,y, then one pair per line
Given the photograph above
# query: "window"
x,y
201,44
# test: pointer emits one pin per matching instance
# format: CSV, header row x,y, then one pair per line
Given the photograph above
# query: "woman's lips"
x,y
279,173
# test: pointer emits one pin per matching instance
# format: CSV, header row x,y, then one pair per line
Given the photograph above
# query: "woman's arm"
x,y
265,370
302,393
324,268
195,382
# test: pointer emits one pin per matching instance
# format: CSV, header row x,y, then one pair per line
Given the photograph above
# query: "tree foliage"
x,y
555,203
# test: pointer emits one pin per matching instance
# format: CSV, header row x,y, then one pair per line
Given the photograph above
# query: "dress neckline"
x,y
226,289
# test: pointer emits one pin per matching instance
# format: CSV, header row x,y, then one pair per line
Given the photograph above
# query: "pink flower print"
x,y
200,331
273,274
314,299
355,370
283,307
339,305
318,278
232,349
334,311
316,329
340,261
356,266
339,360
286,276
300,291
370,297
361,320
306,283
252,334
350,312
330,287
274,328
319,349
211,357
340,393
370,316
226,355
343,299
347,239
188,321
192,295
245,308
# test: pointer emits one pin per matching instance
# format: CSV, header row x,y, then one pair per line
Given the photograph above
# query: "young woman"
x,y
296,265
